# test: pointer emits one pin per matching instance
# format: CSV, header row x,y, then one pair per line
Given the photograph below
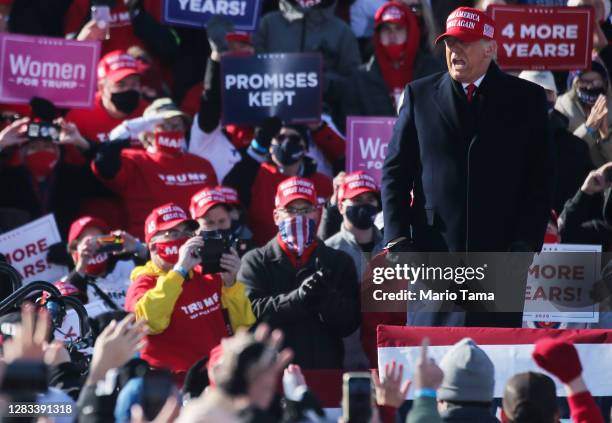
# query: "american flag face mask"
x,y
298,232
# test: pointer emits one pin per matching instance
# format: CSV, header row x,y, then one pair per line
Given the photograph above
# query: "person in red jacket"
x,y
162,172
184,306
287,158
118,97
532,396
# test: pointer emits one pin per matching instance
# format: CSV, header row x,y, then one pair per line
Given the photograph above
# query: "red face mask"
x,y
41,163
168,250
394,52
97,264
172,143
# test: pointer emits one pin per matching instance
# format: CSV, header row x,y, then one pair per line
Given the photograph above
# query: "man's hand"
x,y
599,113
30,336
168,413
230,262
69,134
427,375
92,32
188,257
116,345
391,392
86,250
14,134
313,289
596,180
56,354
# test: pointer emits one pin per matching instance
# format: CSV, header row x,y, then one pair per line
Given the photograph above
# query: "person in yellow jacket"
x,y
187,309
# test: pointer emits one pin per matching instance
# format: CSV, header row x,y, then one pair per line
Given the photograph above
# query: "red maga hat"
x,y
356,183
205,200
117,65
167,217
79,225
295,188
468,25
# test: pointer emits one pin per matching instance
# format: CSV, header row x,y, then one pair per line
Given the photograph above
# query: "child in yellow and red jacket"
x,y
188,311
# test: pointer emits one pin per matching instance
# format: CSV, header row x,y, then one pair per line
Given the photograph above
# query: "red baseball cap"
x,y
356,183
238,37
205,200
391,13
79,225
295,188
468,25
117,65
230,194
167,217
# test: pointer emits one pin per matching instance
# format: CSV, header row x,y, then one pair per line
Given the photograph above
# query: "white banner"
x,y
25,248
558,285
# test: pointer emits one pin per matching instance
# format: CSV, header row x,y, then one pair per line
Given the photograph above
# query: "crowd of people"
x,y
221,258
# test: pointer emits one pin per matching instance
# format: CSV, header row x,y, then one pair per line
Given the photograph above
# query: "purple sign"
x,y
62,71
367,140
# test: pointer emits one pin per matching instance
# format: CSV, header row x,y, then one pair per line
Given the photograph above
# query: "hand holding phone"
x,y
102,16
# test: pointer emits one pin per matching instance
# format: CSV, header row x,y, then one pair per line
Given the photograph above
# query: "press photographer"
x,y
188,308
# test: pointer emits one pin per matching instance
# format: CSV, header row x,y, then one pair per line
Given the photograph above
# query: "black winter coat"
x,y
314,334
482,173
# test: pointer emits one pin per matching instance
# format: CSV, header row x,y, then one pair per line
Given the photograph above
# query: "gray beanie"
x,y
469,374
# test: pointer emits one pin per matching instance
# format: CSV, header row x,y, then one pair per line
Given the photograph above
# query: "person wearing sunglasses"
x,y
188,311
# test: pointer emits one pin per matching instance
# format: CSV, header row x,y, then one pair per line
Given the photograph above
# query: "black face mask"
x,y
289,151
126,101
588,96
361,215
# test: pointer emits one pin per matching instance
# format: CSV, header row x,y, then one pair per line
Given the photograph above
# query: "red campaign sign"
x,y
540,37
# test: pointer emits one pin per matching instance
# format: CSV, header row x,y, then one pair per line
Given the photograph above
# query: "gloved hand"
x,y
268,129
558,357
315,287
217,28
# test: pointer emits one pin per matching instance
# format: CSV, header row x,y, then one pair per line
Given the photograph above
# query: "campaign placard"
x,y
540,37
558,284
284,85
244,14
62,71
367,140
26,247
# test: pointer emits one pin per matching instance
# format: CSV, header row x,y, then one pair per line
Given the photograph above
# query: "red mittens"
x,y
558,357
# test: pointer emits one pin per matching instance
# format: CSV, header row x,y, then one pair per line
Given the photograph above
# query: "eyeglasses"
x,y
296,211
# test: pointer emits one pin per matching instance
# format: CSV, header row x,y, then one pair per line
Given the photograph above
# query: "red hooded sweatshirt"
x,y
397,73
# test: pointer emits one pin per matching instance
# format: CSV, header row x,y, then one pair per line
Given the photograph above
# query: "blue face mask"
x,y
298,233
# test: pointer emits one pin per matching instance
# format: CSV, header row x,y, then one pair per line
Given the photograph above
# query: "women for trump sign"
x,y
62,71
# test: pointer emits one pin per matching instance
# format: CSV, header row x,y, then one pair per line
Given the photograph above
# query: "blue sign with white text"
x,y
244,14
286,85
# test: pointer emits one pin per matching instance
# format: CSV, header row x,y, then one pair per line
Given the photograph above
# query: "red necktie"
x,y
470,92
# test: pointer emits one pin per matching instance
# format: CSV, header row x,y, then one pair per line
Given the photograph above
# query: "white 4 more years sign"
x,y
26,248
559,283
